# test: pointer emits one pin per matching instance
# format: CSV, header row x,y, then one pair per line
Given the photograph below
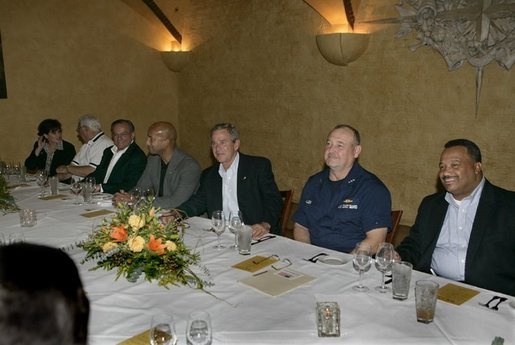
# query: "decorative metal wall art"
x,y
476,31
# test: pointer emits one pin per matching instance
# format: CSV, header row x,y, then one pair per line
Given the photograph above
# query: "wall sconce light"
x,y
176,59
342,48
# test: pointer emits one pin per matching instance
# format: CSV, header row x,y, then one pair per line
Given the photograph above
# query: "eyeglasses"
x,y
282,264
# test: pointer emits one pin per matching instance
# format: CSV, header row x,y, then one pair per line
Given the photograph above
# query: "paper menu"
x,y
52,197
275,283
455,294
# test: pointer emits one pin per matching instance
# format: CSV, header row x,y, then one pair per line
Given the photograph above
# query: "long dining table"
x,y
243,315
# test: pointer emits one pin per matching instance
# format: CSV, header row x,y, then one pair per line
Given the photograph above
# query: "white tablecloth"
x,y
242,315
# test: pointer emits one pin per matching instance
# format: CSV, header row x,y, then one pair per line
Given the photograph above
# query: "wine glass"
x,y
361,262
42,180
149,194
235,224
162,330
384,261
76,188
198,329
135,197
218,223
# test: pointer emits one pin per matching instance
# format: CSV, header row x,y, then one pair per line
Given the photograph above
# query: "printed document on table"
x,y
275,283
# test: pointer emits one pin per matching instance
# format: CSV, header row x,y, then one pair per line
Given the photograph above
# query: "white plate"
x,y
512,303
332,260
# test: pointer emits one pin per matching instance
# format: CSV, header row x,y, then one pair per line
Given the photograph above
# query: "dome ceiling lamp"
x,y
175,59
343,45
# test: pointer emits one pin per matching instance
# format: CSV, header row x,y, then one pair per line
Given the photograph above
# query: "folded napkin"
x,y
96,213
138,339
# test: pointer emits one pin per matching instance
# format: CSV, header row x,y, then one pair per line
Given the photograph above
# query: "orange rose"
x,y
156,245
119,234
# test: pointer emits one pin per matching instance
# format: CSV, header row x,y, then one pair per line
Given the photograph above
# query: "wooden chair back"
x,y
396,219
287,196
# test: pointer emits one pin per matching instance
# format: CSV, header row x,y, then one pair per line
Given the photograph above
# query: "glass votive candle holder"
x,y
328,319
28,217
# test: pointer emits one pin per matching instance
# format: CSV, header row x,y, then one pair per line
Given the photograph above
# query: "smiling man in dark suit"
x,y
468,232
123,163
239,182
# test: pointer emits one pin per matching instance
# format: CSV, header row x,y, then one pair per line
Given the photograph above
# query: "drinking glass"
x,y
235,225
88,189
42,179
76,188
135,197
361,262
218,223
162,330
384,261
149,194
198,329
16,237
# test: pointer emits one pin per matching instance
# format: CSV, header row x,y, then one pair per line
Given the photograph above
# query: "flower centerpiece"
x,y
7,203
135,241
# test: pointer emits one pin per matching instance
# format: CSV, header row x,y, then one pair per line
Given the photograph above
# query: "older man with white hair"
x,y
90,154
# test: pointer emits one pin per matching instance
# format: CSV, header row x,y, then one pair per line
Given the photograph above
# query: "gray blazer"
x,y
181,180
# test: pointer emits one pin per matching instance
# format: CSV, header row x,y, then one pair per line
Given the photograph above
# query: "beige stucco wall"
x,y
255,63
66,58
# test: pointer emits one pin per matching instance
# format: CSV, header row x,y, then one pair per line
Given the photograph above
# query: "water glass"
x,y
162,330
198,329
401,277
16,237
54,184
235,223
244,240
88,187
28,217
426,292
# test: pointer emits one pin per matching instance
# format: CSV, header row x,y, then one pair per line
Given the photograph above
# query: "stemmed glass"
x,y
218,223
149,194
42,180
162,330
361,262
235,225
76,188
384,261
198,329
135,197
